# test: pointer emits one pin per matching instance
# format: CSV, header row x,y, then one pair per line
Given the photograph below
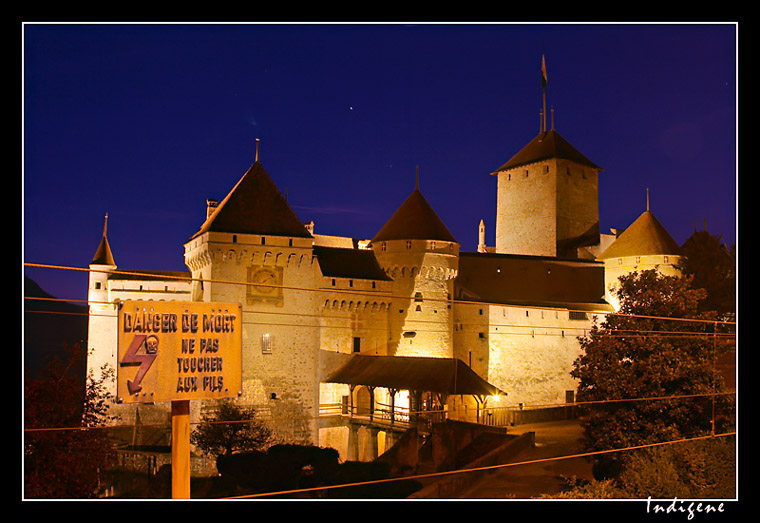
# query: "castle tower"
x,y
645,245
254,250
547,197
101,336
422,257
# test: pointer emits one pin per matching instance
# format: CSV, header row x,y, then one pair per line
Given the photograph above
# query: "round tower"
x,y
422,257
101,327
645,245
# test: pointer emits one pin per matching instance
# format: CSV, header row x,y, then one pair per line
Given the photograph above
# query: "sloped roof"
x,y
103,255
646,236
415,219
339,262
255,206
444,375
530,280
549,144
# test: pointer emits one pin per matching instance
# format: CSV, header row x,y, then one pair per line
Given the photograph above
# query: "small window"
x,y
267,342
382,246
665,259
97,285
408,244
432,245
290,242
263,241
417,296
373,285
234,238
357,344
350,283
333,282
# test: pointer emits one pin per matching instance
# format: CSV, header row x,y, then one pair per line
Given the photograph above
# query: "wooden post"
x,y
181,449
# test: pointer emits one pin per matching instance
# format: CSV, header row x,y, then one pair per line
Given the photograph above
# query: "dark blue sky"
x,y
144,122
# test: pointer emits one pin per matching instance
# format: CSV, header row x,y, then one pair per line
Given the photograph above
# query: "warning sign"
x,y
179,351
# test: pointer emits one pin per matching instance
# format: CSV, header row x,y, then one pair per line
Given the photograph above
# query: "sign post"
x,y
181,449
178,352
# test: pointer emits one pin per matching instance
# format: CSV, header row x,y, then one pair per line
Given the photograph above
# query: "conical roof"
x,y
646,236
415,219
103,255
547,145
255,206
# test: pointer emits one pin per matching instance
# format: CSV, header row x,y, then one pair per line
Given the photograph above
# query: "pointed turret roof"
x,y
255,206
549,144
646,236
103,255
415,219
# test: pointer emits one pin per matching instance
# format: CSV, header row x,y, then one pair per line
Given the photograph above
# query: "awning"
x,y
442,375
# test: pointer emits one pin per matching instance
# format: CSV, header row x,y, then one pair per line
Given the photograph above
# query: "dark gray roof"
x,y
530,280
444,375
338,262
255,206
544,146
415,219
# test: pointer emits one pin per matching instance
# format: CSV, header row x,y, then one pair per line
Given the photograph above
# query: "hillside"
x,y
48,327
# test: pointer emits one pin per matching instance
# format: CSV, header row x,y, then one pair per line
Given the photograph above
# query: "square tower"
x,y
547,200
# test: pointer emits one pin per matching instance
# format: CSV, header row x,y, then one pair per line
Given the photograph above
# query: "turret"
x,y
101,342
422,257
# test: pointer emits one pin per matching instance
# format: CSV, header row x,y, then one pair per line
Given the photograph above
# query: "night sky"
x,y
145,122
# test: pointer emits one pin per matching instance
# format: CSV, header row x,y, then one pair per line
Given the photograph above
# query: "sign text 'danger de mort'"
x,y
179,351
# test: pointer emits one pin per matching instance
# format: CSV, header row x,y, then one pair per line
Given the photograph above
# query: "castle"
x,y
330,320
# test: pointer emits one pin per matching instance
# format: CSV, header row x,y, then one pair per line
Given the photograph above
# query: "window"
x,y
432,245
382,246
357,344
417,296
350,283
665,259
267,342
263,241
234,238
578,315
97,285
408,244
333,282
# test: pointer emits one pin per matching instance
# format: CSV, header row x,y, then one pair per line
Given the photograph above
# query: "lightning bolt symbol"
x,y
131,358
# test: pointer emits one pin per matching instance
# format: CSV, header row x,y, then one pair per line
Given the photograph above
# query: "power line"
x,y
379,294
482,469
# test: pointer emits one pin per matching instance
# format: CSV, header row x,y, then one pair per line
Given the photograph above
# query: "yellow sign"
x,y
171,350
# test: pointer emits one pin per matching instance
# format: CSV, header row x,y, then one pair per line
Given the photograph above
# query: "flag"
x,y
543,72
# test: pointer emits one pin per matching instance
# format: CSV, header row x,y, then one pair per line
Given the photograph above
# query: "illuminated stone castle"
x,y
407,299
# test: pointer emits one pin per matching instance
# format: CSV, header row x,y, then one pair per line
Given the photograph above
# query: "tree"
x,y
712,265
231,428
66,448
647,350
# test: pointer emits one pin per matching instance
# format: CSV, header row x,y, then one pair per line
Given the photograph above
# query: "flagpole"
x,y
543,89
